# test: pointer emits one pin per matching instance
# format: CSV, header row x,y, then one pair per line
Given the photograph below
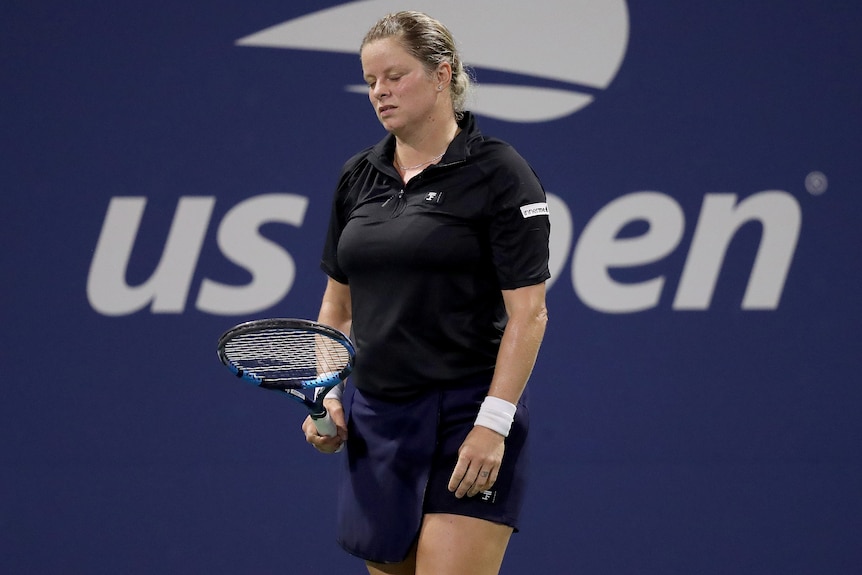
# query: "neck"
x,y
425,146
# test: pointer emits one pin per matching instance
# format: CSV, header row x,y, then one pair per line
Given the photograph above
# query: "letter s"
x,y
272,268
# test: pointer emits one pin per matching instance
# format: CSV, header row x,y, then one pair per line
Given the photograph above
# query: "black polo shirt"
x,y
426,261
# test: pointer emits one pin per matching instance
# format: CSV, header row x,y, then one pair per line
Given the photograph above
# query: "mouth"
x,y
382,110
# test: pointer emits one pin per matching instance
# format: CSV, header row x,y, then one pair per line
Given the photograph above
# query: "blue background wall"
x,y
719,440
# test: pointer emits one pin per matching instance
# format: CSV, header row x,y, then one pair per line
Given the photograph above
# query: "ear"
x,y
443,74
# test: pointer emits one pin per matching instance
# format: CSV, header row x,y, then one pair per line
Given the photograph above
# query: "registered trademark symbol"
x,y
816,183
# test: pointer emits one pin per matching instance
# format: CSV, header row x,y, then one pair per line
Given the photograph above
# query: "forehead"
x,y
385,53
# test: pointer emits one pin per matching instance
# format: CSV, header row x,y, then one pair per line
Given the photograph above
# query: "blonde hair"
x,y
430,42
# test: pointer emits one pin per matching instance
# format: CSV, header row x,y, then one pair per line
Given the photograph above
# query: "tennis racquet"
x,y
303,359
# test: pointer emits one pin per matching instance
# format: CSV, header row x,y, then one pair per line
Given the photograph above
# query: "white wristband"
x,y
496,414
336,392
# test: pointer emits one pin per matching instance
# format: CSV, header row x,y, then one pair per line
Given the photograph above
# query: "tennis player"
x,y
437,257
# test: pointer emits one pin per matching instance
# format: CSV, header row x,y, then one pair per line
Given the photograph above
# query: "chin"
x,y
389,125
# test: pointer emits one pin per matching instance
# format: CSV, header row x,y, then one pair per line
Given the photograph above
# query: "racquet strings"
x,y
286,355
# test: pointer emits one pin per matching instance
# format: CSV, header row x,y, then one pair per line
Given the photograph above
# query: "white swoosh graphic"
x,y
578,42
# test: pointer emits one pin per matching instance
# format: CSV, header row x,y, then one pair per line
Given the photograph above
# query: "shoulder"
x,y
355,161
370,159
486,149
508,172
497,156
354,171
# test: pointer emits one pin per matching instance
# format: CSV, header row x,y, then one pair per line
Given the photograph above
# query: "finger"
x,y
495,473
326,443
336,411
457,479
330,445
308,429
471,483
323,443
484,481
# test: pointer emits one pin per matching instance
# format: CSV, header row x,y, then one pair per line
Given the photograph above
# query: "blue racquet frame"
x,y
302,358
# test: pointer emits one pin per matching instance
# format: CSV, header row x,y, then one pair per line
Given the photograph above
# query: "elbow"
x,y
542,316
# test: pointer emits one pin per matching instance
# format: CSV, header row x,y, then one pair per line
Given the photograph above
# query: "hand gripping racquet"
x,y
301,358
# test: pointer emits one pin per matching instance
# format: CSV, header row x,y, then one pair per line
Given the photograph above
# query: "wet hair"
x,y
430,42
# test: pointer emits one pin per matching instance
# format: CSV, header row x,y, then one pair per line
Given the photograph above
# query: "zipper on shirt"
x,y
400,202
398,206
397,197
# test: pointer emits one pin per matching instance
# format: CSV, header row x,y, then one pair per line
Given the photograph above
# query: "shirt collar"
x,y
383,152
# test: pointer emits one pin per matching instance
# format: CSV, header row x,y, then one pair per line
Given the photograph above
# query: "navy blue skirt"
x,y
398,463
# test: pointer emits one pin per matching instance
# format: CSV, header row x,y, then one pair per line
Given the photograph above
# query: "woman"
x,y
437,254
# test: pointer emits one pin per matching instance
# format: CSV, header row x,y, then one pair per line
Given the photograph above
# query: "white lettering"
x,y
604,245
532,210
599,249
168,286
720,218
272,268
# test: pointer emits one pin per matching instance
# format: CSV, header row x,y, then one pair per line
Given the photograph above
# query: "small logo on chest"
x,y
434,198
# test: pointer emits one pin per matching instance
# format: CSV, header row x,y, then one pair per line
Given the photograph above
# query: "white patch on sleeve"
x,y
531,210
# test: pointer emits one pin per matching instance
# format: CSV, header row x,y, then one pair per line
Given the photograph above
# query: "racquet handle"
x,y
324,424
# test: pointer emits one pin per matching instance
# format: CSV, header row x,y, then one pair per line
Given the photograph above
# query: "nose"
x,y
379,90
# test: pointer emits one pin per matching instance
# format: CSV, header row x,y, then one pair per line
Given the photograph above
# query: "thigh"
x,y
457,544
405,567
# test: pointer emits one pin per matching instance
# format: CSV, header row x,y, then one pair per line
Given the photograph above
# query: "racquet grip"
x,y
324,424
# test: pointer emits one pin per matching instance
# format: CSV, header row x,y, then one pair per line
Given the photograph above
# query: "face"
x,y
402,92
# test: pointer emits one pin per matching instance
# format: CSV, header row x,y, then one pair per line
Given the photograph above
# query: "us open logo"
x,y
556,56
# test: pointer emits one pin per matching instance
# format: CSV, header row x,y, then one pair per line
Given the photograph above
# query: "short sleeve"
x,y
337,220
520,225
329,260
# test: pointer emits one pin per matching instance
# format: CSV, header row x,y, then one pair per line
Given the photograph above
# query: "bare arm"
x,y
519,348
481,454
335,311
